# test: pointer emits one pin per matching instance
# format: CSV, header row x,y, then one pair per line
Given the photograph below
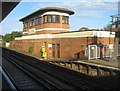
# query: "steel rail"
x,y
80,86
51,87
31,75
9,79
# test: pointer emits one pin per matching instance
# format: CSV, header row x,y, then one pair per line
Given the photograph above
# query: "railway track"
x,y
19,77
50,83
54,74
40,76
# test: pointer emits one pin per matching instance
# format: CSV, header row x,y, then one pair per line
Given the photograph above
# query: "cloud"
x,y
85,12
82,9
91,5
81,5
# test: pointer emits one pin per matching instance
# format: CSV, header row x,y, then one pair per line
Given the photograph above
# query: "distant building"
x,y
49,27
7,44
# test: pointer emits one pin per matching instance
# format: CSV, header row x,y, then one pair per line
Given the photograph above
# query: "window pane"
x,y
26,24
53,18
65,19
49,18
32,22
40,19
57,18
45,18
37,22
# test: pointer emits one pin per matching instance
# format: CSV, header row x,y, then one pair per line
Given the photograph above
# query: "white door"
x,y
92,52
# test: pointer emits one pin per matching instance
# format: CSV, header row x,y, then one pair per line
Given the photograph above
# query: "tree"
x,y
12,36
107,27
15,34
83,29
7,38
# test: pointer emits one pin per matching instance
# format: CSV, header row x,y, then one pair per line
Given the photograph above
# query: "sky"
x,y
88,13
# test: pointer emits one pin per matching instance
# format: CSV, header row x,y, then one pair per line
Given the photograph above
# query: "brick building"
x,y
49,27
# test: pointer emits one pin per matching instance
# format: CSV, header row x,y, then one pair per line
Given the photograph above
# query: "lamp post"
x,y
115,27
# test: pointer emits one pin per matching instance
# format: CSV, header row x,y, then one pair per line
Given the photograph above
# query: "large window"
x,y
26,24
51,18
38,20
32,22
45,19
57,18
65,19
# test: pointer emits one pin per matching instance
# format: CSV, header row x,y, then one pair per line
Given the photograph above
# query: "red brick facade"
x,y
69,47
58,44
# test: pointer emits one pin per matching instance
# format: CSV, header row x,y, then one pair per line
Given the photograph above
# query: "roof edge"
x,y
42,10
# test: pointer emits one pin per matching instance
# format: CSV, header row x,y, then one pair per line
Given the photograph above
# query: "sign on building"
x,y
31,31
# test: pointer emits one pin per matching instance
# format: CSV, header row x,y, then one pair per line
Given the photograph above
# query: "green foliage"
x,y
10,37
7,38
15,34
83,29
3,43
40,54
31,48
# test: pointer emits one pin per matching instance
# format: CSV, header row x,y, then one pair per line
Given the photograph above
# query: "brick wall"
x,y
47,25
69,47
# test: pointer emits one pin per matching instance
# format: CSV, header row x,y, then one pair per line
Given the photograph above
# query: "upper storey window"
x,y
38,20
56,18
65,19
26,24
32,22
45,19
51,18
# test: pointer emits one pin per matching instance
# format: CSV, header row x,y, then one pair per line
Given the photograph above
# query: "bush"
x,y
40,54
31,49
